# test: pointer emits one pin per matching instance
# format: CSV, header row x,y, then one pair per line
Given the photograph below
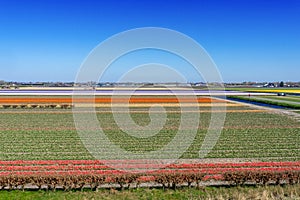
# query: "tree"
x,y
281,84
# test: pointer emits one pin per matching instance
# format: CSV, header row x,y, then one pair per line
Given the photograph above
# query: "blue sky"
x,y
249,40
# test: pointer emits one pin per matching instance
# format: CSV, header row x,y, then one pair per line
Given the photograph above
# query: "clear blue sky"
x,y
249,40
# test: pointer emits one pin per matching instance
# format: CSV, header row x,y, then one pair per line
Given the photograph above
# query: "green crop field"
x,y
284,98
292,103
49,134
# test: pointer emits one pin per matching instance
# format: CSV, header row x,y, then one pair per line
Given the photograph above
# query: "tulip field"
x,y
40,147
269,90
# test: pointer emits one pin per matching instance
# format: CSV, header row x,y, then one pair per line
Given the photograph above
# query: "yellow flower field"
x,y
294,91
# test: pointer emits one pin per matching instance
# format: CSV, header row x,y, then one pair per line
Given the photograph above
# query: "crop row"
x,y
93,181
164,179
145,162
285,104
74,167
262,177
28,100
23,106
92,170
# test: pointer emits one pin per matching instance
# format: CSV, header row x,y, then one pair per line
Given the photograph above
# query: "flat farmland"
x,y
290,101
51,134
40,139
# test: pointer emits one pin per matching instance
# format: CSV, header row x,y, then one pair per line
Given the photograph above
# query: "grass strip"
x,y
266,192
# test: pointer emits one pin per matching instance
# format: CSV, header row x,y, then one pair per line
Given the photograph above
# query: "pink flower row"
x,y
212,171
140,164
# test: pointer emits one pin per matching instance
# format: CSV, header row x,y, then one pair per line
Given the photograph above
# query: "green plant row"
x,y
270,102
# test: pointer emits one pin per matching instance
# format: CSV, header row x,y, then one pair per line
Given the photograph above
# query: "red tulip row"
x,y
209,172
50,162
95,172
89,167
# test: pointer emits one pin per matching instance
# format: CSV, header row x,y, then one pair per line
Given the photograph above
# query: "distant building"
x,y
270,85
